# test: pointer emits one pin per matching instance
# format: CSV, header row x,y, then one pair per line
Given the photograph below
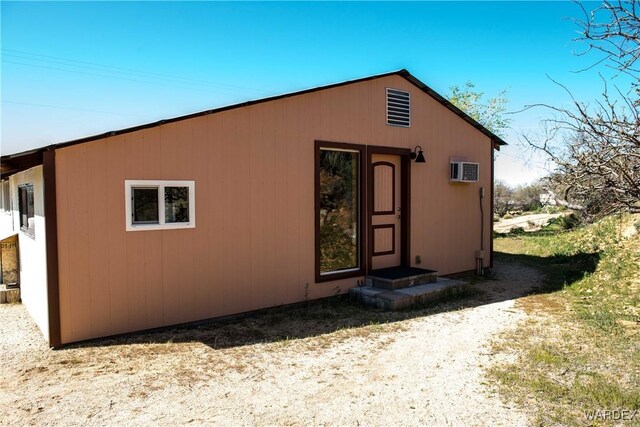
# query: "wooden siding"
x,y
9,260
253,246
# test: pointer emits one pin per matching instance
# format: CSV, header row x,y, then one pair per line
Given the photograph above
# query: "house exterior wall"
x,y
31,250
6,222
253,246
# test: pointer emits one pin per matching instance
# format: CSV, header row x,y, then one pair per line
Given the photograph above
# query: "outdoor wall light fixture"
x,y
418,155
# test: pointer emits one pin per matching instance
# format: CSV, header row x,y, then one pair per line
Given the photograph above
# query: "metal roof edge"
x,y
416,82
402,72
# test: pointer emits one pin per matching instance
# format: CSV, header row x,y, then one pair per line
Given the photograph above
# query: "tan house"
x,y
249,206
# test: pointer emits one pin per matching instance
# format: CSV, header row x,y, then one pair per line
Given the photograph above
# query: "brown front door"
x,y
386,211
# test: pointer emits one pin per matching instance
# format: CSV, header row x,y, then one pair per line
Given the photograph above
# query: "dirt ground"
x,y
428,368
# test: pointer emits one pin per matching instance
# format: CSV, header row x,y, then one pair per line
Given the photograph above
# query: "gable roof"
x,y
13,163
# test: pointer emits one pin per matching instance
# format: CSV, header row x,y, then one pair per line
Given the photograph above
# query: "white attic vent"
x,y
464,172
398,108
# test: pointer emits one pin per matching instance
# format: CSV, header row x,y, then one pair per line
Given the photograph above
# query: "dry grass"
x,y
579,349
218,347
564,370
548,303
148,365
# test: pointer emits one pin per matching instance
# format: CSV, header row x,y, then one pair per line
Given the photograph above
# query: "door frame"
x,y
405,207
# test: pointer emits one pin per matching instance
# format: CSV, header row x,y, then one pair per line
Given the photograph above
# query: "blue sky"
x,y
74,69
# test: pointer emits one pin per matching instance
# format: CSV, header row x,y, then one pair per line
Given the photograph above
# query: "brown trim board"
x,y
405,210
14,164
361,149
51,227
491,209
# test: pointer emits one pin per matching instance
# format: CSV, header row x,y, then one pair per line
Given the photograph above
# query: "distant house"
x,y
249,206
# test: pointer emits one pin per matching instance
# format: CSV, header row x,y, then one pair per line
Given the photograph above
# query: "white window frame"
x,y
129,184
25,228
5,191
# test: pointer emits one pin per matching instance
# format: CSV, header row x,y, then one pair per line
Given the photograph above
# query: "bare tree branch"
x,y
596,150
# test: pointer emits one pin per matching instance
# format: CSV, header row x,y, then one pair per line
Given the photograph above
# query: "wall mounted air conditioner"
x,y
464,172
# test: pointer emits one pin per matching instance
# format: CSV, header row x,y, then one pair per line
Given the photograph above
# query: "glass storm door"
x,y
385,211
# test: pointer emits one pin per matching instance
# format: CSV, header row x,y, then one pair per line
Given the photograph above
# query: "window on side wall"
x,y
159,205
26,209
6,197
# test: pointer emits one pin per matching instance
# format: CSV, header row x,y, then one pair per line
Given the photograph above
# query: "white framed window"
x,y
159,205
5,202
26,209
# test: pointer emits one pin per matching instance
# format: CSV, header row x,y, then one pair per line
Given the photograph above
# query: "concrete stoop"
x,y
406,297
400,278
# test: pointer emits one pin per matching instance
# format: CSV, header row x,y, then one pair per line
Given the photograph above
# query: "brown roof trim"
x,y
435,95
15,163
403,73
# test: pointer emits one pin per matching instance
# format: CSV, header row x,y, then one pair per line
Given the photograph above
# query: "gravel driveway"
x,y
426,369
531,222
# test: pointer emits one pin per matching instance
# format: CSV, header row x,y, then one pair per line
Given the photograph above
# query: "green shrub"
x,y
517,230
569,222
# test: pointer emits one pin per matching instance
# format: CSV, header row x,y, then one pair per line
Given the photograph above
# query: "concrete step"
x,y
406,297
9,295
400,277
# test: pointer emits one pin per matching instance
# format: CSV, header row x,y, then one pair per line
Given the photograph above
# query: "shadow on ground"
x,y
513,277
558,270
